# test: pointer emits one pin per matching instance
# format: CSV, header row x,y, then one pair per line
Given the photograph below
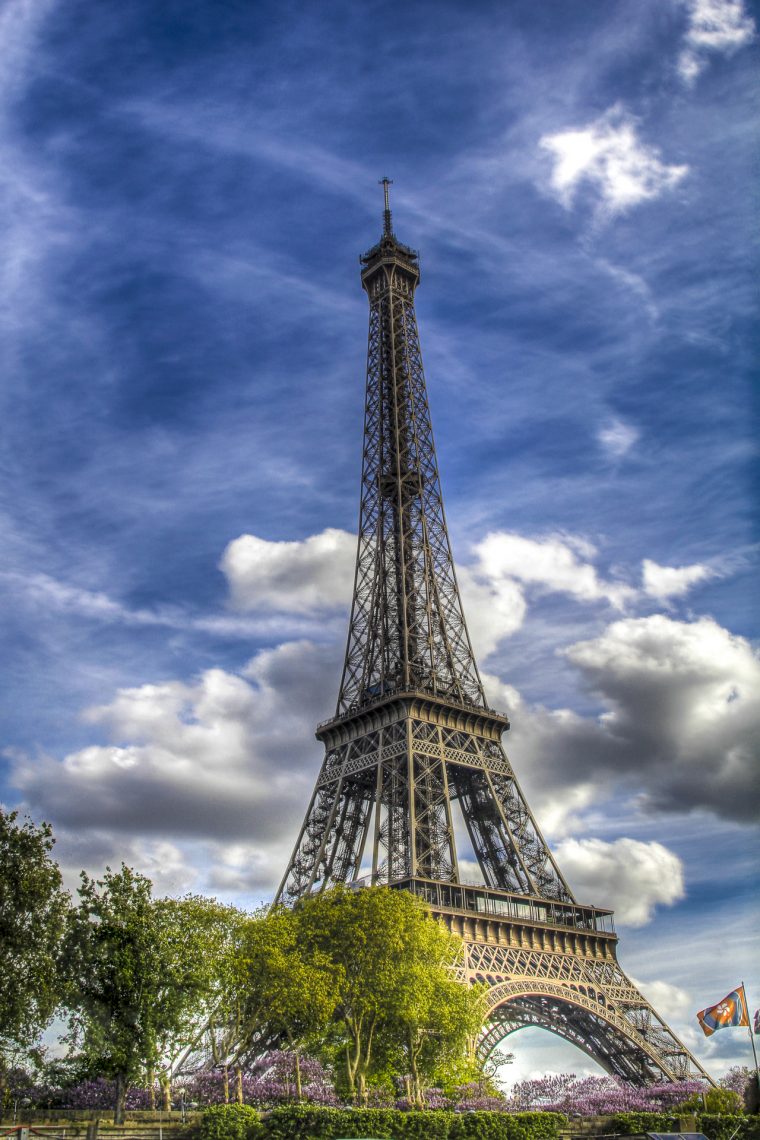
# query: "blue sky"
x,y
186,189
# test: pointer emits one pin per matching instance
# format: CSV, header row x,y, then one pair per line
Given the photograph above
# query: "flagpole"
x,y
749,1029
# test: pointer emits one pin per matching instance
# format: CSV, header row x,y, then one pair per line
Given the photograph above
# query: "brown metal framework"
x,y
413,744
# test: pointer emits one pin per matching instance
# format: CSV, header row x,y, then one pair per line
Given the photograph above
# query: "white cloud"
x,y
663,582
20,23
683,713
224,759
627,875
469,871
609,156
551,563
679,728
39,591
493,609
165,863
715,26
293,577
617,438
671,1002
248,868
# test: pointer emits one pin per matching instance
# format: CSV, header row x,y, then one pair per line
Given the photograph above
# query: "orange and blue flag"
x,y
731,1011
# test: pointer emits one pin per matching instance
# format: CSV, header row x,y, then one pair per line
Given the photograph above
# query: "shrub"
x,y
230,1122
289,1123
723,1127
713,1102
507,1126
626,1123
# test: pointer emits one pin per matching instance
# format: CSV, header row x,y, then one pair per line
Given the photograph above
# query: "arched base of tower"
x,y
620,1048
599,1040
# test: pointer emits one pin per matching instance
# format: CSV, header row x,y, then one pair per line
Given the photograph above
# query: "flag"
x,y
757,1021
731,1011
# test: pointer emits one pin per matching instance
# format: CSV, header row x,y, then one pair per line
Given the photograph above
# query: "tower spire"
x,y
387,227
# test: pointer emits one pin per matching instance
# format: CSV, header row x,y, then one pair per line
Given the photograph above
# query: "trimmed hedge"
x,y
723,1127
506,1126
298,1122
230,1122
627,1123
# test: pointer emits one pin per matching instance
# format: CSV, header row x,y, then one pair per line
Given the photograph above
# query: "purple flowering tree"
x,y
597,1095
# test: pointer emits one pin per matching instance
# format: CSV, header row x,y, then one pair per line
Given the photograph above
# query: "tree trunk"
x,y
152,1087
350,1074
238,1084
226,1084
166,1093
416,1084
121,1098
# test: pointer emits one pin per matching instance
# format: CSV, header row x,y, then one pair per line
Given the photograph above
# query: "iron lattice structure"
x,y
413,747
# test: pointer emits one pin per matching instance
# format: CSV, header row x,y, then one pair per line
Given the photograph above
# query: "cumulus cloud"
x,y
248,868
715,27
226,759
166,863
664,582
608,156
292,577
316,575
683,715
211,778
627,875
493,609
552,563
679,727
617,438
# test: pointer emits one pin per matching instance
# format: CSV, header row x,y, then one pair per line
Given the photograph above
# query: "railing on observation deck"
x,y
478,901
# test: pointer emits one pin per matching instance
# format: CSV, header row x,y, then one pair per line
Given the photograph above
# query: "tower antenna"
x,y
387,228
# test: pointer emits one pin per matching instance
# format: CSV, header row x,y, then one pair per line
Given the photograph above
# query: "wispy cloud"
x,y
609,157
716,27
664,582
617,438
44,594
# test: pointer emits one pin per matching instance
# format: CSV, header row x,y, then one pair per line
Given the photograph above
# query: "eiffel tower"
x,y
413,742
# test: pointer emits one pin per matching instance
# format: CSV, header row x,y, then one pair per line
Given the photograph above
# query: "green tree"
x,y
114,963
717,1101
435,1015
398,1003
199,940
285,992
33,909
145,976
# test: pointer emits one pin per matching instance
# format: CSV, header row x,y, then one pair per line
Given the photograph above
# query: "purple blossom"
x,y
101,1093
736,1079
270,1081
598,1096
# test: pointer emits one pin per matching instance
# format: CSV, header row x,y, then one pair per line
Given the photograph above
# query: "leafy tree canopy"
x,y
143,975
33,909
399,1008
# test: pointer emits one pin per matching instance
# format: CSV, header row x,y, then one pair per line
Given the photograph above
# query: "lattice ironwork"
x,y
589,1002
413,745
407,629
